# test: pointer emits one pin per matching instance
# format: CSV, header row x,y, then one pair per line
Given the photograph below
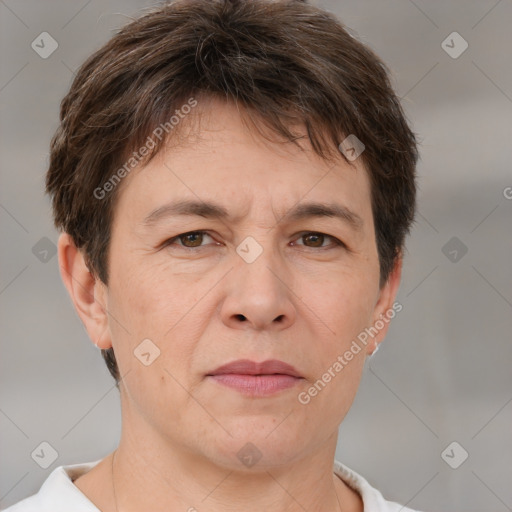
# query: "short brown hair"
x,y
286,61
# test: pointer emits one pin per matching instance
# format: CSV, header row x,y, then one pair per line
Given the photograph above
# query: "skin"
x,y
301,303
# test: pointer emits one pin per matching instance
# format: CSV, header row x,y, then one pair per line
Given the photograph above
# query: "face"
x,y
252,272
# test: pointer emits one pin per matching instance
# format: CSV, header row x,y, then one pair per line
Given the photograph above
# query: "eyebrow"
x,y
187,208
213,210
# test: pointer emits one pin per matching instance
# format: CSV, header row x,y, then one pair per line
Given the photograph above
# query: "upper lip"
x,y
247,367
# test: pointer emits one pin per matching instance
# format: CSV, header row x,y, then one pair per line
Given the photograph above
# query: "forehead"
x,y
217,157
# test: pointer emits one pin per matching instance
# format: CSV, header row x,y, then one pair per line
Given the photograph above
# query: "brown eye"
x,y
193,239
314,239
190,240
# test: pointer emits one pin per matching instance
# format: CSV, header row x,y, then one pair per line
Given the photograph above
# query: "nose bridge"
x,y
258,293
259,265
257,251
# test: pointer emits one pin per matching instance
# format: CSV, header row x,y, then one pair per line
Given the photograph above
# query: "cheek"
x,y
146,296
345,304
330,394
151,303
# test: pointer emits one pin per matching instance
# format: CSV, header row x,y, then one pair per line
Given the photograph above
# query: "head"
x,y
249,110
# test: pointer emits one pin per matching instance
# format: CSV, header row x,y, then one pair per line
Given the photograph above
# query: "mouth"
x,y
256,379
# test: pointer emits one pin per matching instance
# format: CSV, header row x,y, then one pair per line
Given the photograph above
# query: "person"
x,y
234,182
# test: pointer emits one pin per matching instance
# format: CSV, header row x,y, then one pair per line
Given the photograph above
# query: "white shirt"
x,y
59,494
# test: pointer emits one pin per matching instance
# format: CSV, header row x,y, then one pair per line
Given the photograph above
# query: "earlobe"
x,y
385,308
87,293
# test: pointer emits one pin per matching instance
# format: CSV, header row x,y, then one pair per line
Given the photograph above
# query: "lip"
x,y
257,379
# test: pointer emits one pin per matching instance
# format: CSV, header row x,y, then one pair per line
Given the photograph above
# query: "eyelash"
x,y
336,242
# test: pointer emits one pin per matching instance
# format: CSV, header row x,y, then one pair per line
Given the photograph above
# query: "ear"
x,y
385,307
87,292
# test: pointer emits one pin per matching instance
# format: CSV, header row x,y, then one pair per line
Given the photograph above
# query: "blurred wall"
x,y
443,374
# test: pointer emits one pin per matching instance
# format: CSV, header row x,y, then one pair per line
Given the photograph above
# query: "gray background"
x,y
442,375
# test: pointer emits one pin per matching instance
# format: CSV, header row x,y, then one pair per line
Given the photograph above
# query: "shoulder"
x,y
372,498
58,493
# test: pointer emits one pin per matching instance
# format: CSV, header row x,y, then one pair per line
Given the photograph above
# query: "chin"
x,y
257,445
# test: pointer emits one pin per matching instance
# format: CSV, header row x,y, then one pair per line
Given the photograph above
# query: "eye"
x,y
311,239
188,240
316,240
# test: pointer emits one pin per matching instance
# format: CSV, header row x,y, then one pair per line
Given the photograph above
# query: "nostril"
x,y
241,318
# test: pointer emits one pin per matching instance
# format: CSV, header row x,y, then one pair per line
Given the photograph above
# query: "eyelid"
x,y
298,236
336,241
172,240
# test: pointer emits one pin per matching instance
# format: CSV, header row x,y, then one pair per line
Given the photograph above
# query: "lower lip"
x,y
256,385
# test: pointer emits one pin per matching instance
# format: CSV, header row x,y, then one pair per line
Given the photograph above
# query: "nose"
x,y
258,296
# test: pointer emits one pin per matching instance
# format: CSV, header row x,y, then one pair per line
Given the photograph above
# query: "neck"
x,y
173,480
